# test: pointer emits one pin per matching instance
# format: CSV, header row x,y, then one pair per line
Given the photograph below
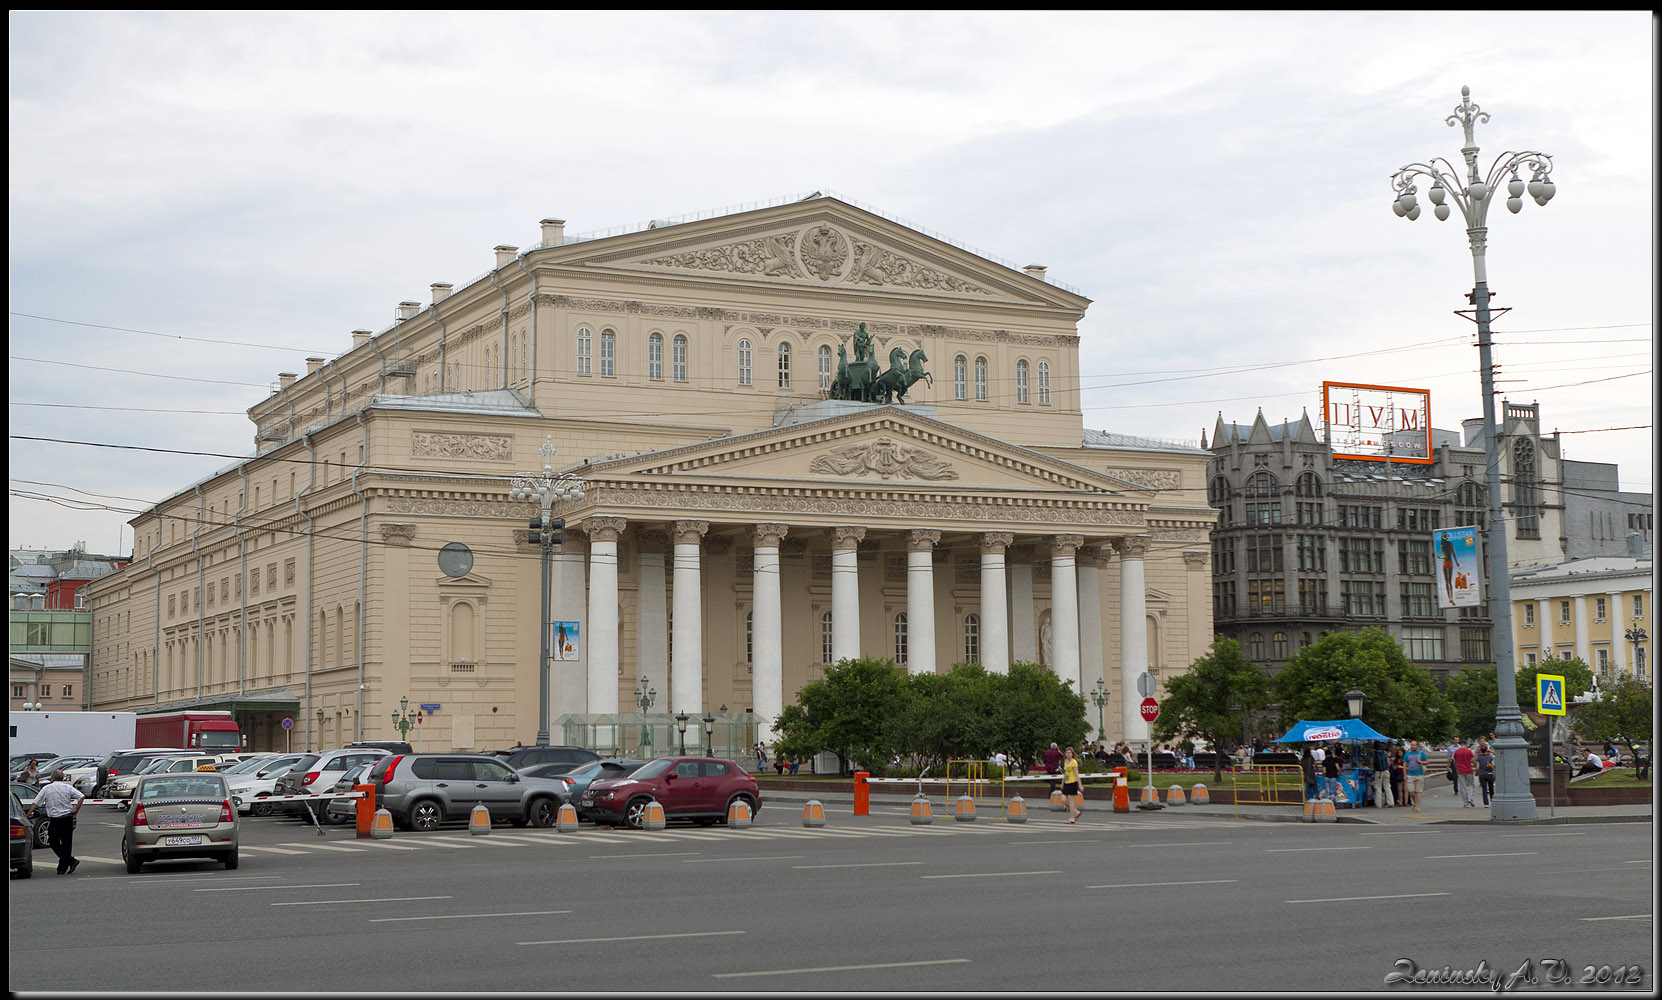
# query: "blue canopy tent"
x,y
1354,783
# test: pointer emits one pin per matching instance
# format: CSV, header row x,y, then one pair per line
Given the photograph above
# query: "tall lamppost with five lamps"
x,y
1637,635
1473,193
645,695
1099,694
547,530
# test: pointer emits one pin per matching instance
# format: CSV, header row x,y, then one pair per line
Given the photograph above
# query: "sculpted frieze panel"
x,y
1154,479
770,255
885,457
1181,534
474,508
486,447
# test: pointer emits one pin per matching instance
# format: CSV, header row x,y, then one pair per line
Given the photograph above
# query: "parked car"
x,y
183,815
25,794
257,780
122,787
118,762
390,746
23,841
317,773
421,791
578,778
65,764
520,758
19,759
696,788
344,810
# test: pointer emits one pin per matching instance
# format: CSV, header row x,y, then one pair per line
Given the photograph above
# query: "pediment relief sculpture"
x,y
884,457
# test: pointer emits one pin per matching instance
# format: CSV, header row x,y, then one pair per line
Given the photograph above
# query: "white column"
x,y
1064,609
652,609
845,591
603,533
686,685
1618,635
1133,633
1580,608
1090,562
768,641
569,678
995,609
920,601
1024,637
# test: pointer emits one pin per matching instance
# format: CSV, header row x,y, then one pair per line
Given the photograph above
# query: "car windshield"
x,y
653,769
153,764
356,772
305,762
182,786
244,767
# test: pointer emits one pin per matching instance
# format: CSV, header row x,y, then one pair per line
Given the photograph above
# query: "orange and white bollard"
x,y
1015,810
738,815
479,820
965,812
381,829
566,820
1058,802
1199,796
813,814
1122,794
922,812
1175,796
654,818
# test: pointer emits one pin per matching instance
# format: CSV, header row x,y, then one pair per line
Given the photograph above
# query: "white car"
x,y
316,774
122,787
252,783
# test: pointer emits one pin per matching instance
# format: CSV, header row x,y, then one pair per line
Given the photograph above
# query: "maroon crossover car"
x,y
696,788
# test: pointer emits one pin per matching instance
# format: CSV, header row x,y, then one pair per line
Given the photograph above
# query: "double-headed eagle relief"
x,y
861,381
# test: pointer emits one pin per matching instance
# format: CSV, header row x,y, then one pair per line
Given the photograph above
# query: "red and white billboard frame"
x,y
1367,422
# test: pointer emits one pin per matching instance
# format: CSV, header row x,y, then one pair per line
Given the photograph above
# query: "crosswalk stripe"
x,y
324,847
389,845
266,850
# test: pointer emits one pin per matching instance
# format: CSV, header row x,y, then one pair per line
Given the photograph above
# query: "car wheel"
x,y
426,815
230,860
747,800
542,813
260,808
634,814
133,864
43,834
335,818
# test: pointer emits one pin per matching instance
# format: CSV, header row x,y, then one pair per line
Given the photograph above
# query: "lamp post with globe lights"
x,y
546,490
1473,194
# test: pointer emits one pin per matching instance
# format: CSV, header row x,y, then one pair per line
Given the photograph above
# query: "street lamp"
x,y
681,726
401,722
1100,696
1473,195
709,735
645,695
1353,701
1637,636
320,729
547,490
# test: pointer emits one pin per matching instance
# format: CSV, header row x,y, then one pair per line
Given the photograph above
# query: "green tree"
x,y
1402,699
1578,680
1473,693
946,716
1034,708
1208,701
854,711
1622,714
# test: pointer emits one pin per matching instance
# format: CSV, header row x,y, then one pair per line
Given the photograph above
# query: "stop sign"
x,y
1150,710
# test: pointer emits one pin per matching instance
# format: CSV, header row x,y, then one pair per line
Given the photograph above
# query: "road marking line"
x,y
770,857
1511,854
333,847
1032,843
1292,850
993,874
1209,843
838,968
388,899
388,845
869,864
1141,885
636,937
1352,899
660,854
101,861
1632,916
267,850
251,888
1543,835
468,916
1642,861
1408,833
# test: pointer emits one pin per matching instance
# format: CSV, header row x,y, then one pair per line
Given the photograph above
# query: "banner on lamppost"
x,y
1460,580
565,645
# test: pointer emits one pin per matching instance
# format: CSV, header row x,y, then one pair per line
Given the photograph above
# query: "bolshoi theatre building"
x,y
803,432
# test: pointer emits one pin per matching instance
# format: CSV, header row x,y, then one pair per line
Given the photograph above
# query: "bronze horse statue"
x,y
902,373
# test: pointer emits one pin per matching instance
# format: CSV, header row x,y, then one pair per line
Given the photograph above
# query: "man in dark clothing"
x,y
1053,764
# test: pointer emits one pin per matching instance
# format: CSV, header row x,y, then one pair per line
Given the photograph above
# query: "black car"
x,y
23,841
522,757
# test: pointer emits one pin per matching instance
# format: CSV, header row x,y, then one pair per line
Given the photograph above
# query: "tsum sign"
x,y
1377,423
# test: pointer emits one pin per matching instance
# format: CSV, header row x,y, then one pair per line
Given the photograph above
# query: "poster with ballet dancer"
x,y
1460,576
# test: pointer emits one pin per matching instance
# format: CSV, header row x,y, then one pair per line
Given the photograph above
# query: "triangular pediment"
x,y
820,243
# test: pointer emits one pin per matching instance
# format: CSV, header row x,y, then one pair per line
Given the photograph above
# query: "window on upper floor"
x,y
608,353
960,368
980,380
744,362
824,356
679,358
1044,383
784,366
585,351
1021,382
655,357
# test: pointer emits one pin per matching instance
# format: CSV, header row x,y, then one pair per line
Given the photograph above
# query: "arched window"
x,y
1262,484
1219,493
585,351
744,362
824,367
972,639
1044,383
1526,497
679,360
784,366
1304,639
981,380
608,353
1021,382
1255,646
1309,485
960,377
655,357
825,646
900,638
1469,494
1278,645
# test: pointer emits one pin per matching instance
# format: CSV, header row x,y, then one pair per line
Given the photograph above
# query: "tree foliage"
x,y
1402,699
1473,693
1622,714
1209,701
1578,680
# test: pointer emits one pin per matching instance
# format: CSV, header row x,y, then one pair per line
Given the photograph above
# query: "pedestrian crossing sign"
x,y
1549,694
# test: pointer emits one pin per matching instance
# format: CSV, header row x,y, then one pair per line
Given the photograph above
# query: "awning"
x,y
1338,729
279,700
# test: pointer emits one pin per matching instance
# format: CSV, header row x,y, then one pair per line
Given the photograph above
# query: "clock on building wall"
x,y
456,559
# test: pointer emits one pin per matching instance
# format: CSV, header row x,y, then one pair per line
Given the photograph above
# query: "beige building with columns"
x,y
739,531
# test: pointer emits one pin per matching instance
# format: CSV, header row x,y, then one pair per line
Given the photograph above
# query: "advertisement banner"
x,y
1460,582
565,645
1378,422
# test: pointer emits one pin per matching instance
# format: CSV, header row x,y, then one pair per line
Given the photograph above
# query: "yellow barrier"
x,y
1268,784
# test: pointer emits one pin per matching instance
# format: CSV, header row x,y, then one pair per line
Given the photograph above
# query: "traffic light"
x,y
556,533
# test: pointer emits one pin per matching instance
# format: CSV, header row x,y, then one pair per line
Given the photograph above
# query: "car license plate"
x,y
182,841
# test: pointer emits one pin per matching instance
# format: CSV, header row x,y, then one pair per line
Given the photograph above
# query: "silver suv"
x,y
423,790
316,774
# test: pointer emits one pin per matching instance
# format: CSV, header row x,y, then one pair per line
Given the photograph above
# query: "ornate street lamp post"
x,y
681,726
547,490
1100,696
645,695
709,735
320,729
1473,194
1353,701
1637,636
401,721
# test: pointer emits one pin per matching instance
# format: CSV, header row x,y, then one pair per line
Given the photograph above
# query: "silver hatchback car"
x,y
185,815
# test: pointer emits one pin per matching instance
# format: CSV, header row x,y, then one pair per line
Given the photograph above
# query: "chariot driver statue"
x,y
862,344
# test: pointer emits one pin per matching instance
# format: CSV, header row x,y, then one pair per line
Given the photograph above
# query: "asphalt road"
x,y
1157,902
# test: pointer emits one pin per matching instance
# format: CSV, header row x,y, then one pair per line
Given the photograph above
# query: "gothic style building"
x,y
739,528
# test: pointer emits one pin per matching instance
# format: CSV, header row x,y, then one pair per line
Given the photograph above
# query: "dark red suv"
x,y
696,788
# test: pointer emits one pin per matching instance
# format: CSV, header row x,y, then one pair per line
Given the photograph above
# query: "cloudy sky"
x,y
1218,184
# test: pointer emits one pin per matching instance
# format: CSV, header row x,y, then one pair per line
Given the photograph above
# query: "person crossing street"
x,y
60,801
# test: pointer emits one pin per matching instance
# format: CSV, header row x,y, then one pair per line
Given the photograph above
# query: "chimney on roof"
x,y
441,291
360,338
1035,271
407,310
553,232
505,255
313,364
285,379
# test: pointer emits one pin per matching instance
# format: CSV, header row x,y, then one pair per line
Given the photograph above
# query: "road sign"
x,y
1549,694
430,706
1150,710
288,723
1145,685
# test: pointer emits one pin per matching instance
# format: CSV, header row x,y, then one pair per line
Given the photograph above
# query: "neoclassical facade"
x,y
738,530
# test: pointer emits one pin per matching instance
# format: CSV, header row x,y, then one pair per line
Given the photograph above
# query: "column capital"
x,y
995,542
922,540
400,535
603,529
1065,545
846,537
1195,560
1094,556
1131,546
689,532
768,534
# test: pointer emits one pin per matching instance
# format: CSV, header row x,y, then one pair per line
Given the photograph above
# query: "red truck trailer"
x,y
212,731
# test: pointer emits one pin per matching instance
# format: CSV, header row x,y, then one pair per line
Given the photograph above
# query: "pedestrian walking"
x,y
1399,786
1382,778
1053,763
1486,770
1070,783
1330,774
29,775
60,801
1307,763
1413,769
1465,770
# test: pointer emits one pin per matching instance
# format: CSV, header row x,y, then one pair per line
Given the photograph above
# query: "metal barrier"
x,y
1264,785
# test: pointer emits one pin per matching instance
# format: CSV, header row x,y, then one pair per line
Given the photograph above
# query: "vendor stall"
x,y
1355,781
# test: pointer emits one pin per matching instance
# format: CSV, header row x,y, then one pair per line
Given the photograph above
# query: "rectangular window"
x,y
1361,555
1414,557
1529,620
1312,596
1419,518
1563,612
1223,596
1263,553
1268,512
1362,597
1474,645
1309,512
69,690
1360,516
1423,643
1529,661
1312,554
1598,608
1638,605
1266,596
1604,662
1419,600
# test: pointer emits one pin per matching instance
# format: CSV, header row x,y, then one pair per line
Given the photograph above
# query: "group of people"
x,y
781,764
1398,775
